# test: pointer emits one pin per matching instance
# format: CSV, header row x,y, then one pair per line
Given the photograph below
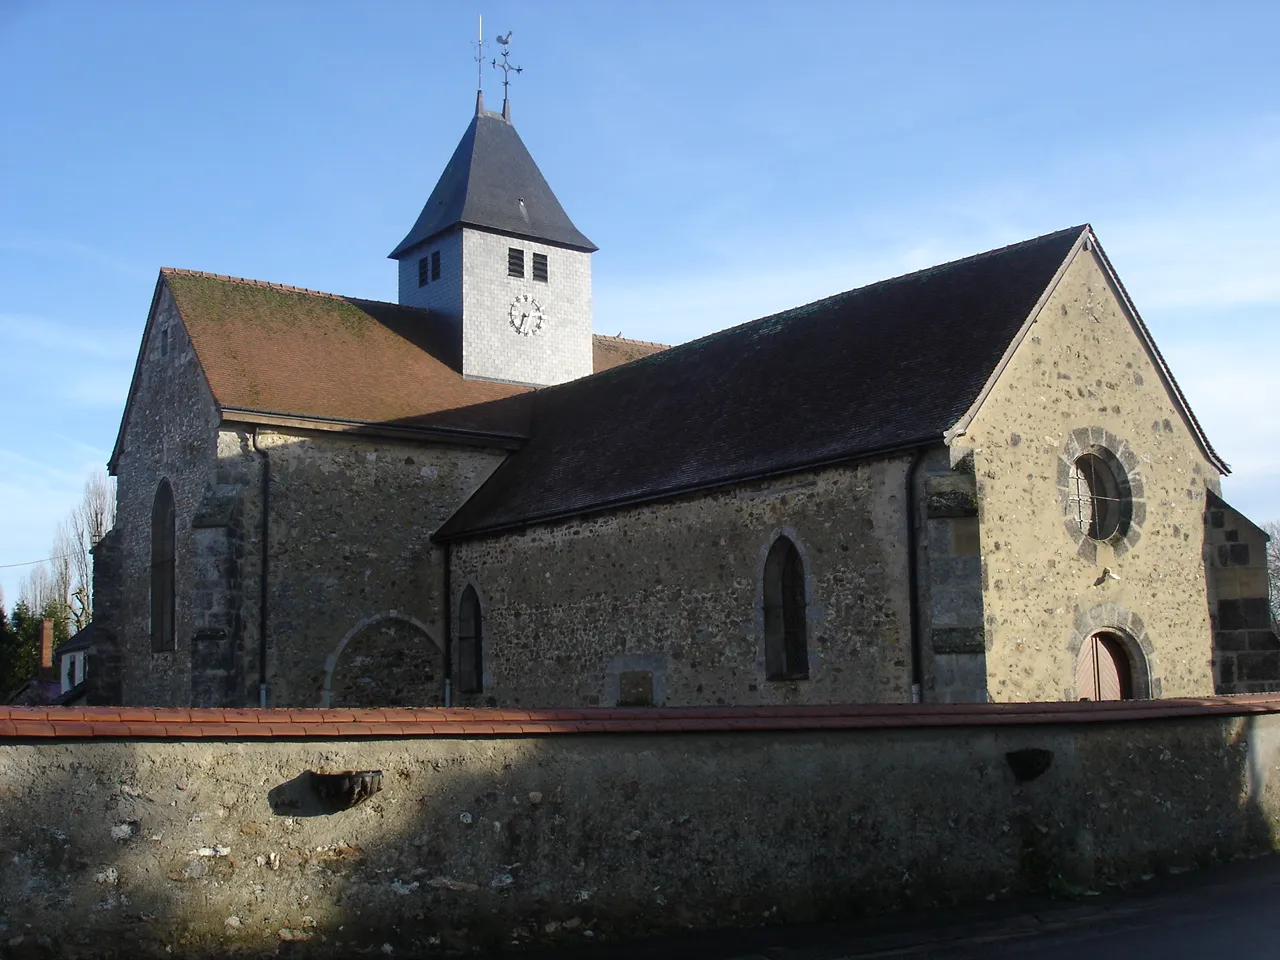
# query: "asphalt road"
x,y
1226,913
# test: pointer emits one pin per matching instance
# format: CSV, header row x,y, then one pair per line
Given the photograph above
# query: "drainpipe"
x,y
448,630
913,578
262,579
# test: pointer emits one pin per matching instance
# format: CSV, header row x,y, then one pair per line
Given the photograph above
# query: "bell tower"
x,y
494,251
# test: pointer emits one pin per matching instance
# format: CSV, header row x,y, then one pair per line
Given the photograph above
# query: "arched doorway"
x,y
1104,671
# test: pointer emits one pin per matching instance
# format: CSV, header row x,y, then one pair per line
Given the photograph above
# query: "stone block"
x,y
958,640
1263,640
1231,640
1258,666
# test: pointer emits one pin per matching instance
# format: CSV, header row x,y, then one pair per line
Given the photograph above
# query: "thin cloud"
x,y
46,334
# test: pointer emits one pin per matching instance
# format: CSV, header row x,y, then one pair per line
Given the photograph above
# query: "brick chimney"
x,y
47,673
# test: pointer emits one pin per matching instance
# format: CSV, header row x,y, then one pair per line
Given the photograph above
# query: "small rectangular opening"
x,y
515,262
540,267
435,265
424,271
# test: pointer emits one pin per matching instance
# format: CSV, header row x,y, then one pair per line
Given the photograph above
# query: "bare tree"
x,y
87,523
1273,565
64,585
38,590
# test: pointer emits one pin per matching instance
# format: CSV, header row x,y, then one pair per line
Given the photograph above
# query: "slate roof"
x,y
883,367
491,182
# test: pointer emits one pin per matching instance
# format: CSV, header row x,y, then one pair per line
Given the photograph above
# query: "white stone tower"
x,y
494,250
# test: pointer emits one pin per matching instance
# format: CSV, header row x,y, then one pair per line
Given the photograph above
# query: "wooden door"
x,y
1102,672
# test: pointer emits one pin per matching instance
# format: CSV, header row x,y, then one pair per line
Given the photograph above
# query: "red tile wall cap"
x,y
123,723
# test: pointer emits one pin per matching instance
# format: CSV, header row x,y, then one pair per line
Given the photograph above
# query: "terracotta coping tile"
x,y
205,723
34,728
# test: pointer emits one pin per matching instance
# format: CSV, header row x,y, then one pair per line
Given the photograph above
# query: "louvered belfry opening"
x,y
540,267
470,645
163,535
785,627
515,262
1103,671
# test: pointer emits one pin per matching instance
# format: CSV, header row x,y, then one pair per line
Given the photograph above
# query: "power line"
x,y
32,563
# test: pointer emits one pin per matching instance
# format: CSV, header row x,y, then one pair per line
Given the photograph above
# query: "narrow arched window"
x,y
162,569
470,637
786,652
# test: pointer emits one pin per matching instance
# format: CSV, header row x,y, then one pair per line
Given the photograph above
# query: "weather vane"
x,y
507,68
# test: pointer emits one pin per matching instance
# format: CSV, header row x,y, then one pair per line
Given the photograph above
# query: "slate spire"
x,y
492,183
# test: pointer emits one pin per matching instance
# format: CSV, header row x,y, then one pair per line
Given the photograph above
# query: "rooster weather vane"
x,y
505,65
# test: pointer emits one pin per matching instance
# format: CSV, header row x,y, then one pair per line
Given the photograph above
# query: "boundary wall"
x,y
155,832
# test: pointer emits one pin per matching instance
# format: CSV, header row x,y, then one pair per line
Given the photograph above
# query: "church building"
x,y
975,482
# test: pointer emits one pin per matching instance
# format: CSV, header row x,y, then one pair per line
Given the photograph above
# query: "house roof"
x,y
882,367
491,182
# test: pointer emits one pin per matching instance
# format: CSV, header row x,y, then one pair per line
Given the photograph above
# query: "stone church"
x,y
975,482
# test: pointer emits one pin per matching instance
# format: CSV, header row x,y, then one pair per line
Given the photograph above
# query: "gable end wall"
x,y
1083,376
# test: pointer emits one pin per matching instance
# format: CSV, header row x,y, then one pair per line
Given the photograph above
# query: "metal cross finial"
x,y
480,53
507,68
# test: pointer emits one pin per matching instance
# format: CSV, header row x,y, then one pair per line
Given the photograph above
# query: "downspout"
x,y
913,578
262,579
448,629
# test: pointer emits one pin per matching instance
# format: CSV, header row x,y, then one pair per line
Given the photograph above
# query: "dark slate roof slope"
x,y
885,366
492,182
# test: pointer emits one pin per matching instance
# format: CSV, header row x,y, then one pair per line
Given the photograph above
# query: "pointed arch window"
x,y
470,643
163,536
786,644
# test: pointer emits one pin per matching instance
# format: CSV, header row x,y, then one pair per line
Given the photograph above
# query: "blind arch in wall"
x,y
163,537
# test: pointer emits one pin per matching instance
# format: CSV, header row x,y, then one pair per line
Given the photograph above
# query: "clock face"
x,y
525,314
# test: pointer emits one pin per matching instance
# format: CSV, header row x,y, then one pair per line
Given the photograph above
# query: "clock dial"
x,y
525,314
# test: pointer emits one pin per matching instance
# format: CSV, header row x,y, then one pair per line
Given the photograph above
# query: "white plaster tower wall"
x,y
492,348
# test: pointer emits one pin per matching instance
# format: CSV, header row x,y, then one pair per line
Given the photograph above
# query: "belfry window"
x,y
162,569
424,271
515,262
540,267
1097,496
435,264
470,643
785,629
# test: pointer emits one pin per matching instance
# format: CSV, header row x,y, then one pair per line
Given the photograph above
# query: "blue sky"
x,y
730,159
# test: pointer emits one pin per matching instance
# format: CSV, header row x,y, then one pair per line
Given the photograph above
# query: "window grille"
x,y
435,264
540,267
424,271
515,262
1096,497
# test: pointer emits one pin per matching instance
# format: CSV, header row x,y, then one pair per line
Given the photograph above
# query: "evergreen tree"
x,y
20,643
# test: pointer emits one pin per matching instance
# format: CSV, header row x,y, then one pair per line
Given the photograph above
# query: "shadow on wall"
x,y
212,847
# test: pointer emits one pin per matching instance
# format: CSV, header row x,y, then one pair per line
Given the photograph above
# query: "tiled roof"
x,y
290,351
611,352
881,367
491,182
